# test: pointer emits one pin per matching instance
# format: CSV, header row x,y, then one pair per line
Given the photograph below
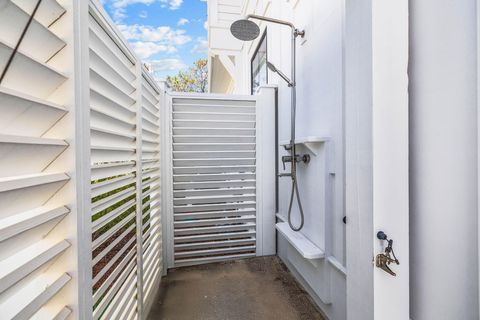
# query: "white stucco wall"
x,y
443,148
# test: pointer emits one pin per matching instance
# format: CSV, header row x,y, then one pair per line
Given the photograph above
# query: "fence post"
x,y
81,172
167,181
139,193
266,173
165,162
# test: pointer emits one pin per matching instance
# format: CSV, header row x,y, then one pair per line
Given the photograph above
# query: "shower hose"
x,y
295,191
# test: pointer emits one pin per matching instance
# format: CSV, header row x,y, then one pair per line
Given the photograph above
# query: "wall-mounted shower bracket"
x,y
312,143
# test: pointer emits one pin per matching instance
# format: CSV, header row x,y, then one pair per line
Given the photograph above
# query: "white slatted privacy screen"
x,y
151,229
125,134
214,179
35,186
113,108
40,233
80,170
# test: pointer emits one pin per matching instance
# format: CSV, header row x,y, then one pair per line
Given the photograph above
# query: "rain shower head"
x,y
272,67
245,30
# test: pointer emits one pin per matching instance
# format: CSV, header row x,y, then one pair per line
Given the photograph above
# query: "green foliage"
x,y
194,79
112,223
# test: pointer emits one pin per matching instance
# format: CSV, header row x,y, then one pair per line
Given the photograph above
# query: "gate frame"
x,y
265,201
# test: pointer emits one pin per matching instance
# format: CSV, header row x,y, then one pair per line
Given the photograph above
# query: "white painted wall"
x,y
358,159
320,113
443,146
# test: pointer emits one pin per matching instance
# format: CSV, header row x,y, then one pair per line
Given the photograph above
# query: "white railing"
x,y
80,210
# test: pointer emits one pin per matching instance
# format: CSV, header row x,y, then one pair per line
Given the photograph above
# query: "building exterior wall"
x,y
443,148
319,113
443,103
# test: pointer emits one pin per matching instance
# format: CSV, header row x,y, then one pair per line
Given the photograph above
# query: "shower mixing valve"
x,y
304,158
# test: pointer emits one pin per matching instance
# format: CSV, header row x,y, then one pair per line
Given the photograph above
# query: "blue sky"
x,y
168,34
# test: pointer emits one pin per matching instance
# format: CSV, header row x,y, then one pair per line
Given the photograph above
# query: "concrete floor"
x,y
252,289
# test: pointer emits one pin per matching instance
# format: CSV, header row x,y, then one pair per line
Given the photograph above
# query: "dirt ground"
x,y
251,289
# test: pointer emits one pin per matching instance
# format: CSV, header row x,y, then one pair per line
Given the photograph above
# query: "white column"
x,y
444,155
376,118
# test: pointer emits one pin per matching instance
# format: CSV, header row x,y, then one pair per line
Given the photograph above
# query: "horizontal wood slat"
x,y
23,263
214,179
36,160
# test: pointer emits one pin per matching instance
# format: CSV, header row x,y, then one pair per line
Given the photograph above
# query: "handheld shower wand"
x,y
280,73
293,158
247,30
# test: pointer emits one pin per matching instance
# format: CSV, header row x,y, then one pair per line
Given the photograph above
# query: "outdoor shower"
x,y
247,30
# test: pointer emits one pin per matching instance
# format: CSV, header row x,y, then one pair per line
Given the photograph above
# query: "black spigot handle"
x,y
381,235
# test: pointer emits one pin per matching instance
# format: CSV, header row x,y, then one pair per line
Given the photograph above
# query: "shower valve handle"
x,y
305,159
298,158
285,159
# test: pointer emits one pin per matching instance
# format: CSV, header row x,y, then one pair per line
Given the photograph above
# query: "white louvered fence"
x,y
125,148
80,215
94,155
36,155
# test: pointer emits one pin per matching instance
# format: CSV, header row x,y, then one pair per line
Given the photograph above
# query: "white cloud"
x,y
201,46
205,24
119,12
182,22
164,34
145,50
167,65
126,3
148,41
143,14
173,4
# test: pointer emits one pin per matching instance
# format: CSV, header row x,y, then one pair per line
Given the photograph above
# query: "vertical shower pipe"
x,y
293,150
292,135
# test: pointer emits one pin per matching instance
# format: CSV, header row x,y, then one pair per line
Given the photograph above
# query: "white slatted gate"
x,y
214,179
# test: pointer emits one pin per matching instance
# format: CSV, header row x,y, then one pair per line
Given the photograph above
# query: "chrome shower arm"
x,y
295,31
286,23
